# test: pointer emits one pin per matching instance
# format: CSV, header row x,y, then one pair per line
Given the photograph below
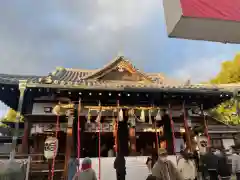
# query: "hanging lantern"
x,y
120,115
142,117
150,116
89,116
50,147
158,116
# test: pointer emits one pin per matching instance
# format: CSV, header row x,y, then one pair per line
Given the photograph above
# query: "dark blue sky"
x,y
37,36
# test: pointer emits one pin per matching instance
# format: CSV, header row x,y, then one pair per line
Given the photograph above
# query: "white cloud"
x,y
118,15
199,70
37,37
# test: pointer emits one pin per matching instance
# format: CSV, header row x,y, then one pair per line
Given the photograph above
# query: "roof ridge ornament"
x,y
120,54
46,80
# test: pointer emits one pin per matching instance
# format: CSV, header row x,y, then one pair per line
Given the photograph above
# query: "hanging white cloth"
x,y
131,118
120,115
142,117
150,116
158,116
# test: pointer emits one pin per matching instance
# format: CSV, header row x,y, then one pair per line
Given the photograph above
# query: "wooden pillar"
x,y
187,133
132,138
69,145
25,138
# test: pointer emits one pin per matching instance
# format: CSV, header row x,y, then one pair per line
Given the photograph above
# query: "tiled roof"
x,y
67,74
83,78
33,81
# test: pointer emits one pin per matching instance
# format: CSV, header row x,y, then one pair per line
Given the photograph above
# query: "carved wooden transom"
x,y
121,74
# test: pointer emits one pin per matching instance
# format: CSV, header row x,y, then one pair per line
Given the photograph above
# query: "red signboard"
x,y
213,9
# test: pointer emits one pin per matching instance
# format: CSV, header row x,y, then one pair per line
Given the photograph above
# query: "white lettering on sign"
x,y
50,148
93,127
108,127
47,127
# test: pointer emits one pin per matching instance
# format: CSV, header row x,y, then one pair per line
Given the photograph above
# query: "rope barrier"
x,y
99,150
157,139
55,149
117,121
78,134
99,141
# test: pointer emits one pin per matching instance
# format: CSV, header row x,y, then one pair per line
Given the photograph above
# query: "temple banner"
x,y
215,20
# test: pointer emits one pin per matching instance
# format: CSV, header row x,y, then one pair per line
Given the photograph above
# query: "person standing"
x,y
186,167
86,173
120,166
165,169
224,167
210,163
235,157
72,166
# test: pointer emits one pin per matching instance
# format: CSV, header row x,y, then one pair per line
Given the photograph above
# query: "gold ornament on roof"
x,y
46,80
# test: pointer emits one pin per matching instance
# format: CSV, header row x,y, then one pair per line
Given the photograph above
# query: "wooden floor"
x,y
40,171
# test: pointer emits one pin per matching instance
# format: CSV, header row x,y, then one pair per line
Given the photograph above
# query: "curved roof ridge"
x,y
118,58
81,70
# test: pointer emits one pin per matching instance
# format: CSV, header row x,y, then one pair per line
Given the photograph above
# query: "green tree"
x,y
11,116
230,73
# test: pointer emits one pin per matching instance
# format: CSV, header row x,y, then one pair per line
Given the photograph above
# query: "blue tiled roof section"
x,y
71,74
14,79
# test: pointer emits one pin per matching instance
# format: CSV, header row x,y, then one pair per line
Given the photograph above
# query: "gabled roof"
x,y
74,75
119,62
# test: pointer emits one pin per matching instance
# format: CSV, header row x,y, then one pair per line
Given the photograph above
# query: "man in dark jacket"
x,y
210,163
224,167
120,166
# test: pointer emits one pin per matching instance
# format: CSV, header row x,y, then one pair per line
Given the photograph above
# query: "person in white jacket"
x,y
187,168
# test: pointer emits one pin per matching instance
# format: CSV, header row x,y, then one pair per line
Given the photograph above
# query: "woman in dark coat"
x,y
120,166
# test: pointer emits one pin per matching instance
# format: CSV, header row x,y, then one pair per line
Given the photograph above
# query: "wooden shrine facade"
x,y
118,85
